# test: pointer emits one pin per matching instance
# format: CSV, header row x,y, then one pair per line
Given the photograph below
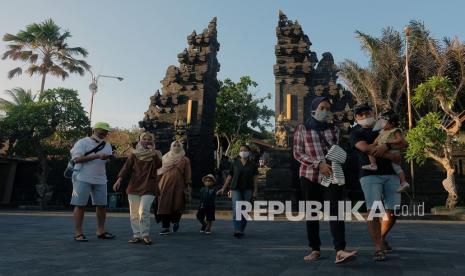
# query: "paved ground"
x,y
41,244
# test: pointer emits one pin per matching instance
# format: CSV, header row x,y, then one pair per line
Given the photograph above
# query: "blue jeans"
x,y
238,195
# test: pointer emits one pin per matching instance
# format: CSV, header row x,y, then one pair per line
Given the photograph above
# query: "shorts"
x,y
207,213
381,188
82,190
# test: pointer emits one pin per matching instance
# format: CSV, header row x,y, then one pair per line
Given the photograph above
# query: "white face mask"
x,y
322,115
96,138
244,154
380,124
367,122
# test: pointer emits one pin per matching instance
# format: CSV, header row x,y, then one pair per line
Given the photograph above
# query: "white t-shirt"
x,y
92,171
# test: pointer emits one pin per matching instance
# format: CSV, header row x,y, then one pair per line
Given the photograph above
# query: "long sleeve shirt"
x,y
310,149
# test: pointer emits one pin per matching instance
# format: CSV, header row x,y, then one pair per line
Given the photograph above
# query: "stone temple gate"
x,y
299,78
186,107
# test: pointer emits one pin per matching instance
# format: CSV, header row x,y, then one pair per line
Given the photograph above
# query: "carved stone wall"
x,y
300,77
185,107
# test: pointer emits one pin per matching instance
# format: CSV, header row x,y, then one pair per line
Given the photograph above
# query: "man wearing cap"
x,y
90,155
379,186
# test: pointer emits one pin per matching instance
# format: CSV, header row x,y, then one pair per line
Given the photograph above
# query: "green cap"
x,y
102,125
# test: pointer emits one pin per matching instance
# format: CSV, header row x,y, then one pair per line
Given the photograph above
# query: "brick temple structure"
x,y
185,107
299,78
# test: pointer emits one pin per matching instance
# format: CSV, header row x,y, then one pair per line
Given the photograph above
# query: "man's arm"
x,y
84,159
364,147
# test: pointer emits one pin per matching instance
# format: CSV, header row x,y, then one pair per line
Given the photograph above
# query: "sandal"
x,y
379,256
106,236
313,256
81,238
147,241
386,247
345,256
135,240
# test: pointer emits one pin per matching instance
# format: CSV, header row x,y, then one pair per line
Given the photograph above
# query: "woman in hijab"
x,y
312,141
142,166
174,184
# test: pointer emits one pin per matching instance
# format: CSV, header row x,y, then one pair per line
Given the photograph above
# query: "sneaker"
x,y
165,231
404,186
202,229
208,231
370,167
238,234
175,227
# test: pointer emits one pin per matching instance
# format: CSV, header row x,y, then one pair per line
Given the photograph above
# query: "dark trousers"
x,y
313,191
166,220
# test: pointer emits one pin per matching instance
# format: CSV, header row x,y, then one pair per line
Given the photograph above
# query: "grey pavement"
x,y
41,244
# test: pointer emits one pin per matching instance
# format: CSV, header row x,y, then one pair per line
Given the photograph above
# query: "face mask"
x,y
244,154
380,124
95,137
176,149
145,144
367,122
322,115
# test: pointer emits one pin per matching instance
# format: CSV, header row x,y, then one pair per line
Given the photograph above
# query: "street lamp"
x,y
94,86
409,102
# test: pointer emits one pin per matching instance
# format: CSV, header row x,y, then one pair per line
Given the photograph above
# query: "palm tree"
x,y
44,48
431,57
382,82
19,98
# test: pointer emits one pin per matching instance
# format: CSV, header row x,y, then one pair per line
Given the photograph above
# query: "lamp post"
x,y
93,89
409,102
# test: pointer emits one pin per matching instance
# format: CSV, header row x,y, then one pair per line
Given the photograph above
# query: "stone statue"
x,y
319,89
281,133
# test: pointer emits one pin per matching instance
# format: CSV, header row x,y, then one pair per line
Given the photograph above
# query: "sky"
x,y
138,40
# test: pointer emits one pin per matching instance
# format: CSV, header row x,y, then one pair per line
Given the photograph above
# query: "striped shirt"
x,y
310,149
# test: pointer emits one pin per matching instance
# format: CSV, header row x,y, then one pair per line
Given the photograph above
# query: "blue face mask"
x,y
323,116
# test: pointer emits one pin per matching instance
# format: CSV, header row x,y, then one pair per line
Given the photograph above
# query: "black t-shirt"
x,y
369,136
243,175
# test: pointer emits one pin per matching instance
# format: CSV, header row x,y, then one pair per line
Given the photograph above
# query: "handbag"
x,y
68,173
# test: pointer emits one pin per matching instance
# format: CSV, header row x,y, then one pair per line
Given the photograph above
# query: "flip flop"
x,y
81,238
106,236
147,241
348,258
313,256
379,256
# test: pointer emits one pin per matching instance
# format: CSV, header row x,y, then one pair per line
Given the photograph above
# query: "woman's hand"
x,y
188,193
220,192
117,185
325,169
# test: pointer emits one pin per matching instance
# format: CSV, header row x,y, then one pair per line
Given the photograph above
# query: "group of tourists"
x,y
376,144
164,181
